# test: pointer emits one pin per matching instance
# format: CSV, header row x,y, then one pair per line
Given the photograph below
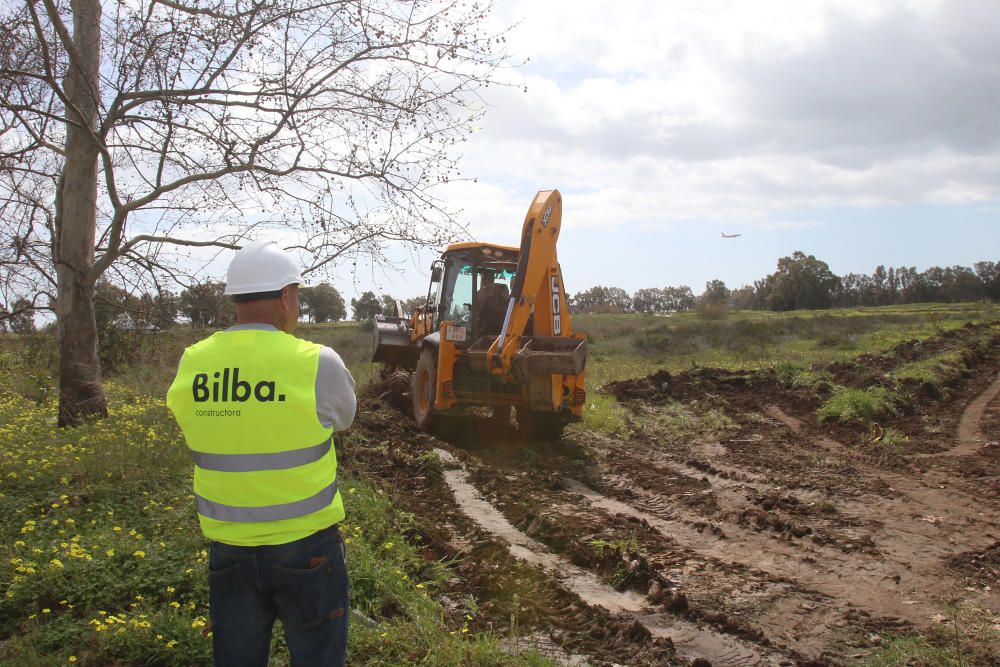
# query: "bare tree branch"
x,y
328,123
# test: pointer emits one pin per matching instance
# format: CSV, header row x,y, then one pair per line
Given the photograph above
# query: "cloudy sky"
x,y
865,133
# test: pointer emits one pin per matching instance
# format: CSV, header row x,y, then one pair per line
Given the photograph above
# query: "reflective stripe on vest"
x,y
255,462
292,510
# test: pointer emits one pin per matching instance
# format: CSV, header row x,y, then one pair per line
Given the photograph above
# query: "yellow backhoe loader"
x,y
495,332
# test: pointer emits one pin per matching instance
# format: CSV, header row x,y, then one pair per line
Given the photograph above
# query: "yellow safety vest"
x,y
265,467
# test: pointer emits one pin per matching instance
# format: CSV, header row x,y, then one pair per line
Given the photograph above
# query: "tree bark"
x,y
81,394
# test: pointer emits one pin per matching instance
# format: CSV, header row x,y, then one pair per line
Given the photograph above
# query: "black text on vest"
x,y
229,387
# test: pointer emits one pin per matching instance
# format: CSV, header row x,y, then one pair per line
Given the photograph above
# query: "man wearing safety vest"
x,y
258,408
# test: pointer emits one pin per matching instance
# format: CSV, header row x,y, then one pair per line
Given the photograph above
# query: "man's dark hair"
x,y
256,296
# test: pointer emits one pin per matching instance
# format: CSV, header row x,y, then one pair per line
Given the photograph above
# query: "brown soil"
x,y
778,540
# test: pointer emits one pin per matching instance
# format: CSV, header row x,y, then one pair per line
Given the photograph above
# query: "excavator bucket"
x,y
393,346
550,355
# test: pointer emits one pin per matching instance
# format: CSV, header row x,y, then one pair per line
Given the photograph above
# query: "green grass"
x,y
858,405
624,346
969,635
683,424
794,344
604,414
799,377
102,559
930,369
933,373
906,651
676,420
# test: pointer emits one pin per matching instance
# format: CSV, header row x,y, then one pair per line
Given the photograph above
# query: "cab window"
x,y
457,301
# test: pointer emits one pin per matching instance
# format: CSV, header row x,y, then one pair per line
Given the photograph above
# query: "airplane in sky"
x,y
730,236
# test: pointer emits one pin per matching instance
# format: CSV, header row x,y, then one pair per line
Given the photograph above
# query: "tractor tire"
x,y
422,389
540,425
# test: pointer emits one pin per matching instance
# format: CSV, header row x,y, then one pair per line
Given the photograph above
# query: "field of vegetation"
x,y
102,561
101,557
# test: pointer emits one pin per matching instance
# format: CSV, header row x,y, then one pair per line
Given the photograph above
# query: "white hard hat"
x,y
261,266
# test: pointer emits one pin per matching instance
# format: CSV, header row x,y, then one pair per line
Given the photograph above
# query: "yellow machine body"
x,y
495,331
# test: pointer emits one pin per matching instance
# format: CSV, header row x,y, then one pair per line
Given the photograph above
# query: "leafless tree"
x,y
136,133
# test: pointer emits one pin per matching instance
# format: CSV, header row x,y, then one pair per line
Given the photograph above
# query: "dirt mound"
x,y
661,385
975,346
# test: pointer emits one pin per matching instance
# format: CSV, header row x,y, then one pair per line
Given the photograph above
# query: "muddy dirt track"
x,y
728,527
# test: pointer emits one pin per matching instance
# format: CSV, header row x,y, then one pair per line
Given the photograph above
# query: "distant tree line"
x,y
804,282
202,305
800,282
368,305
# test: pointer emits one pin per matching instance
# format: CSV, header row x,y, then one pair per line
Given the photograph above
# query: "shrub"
x,y
858,405
712,311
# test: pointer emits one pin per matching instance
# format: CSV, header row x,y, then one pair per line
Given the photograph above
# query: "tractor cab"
x,y
470,286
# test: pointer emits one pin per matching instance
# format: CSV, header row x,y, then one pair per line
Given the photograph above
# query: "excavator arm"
x,y
538,296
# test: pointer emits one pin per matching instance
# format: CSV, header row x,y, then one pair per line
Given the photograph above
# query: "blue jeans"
x,y
304,582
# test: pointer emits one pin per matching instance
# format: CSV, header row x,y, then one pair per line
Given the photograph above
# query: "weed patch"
x,y
604,414
858,405
968,635
932,374
103,561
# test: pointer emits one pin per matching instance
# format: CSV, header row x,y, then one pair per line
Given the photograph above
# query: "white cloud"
x,y
659,113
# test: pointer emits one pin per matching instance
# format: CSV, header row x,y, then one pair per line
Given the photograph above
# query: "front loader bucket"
x,y
392,345
550,355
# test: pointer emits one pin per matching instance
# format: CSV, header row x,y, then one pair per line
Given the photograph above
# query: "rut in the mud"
x,y
690,640
971,436
505,595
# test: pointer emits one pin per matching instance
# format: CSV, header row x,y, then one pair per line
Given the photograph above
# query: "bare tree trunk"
x,y
80,392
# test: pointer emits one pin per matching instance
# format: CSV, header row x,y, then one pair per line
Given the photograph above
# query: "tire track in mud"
x,y
733,488
689,639
970,436
918,528
926,521
917,513
810,568
917,499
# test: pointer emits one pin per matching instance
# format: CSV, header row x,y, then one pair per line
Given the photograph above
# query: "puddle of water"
x,y
690,640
